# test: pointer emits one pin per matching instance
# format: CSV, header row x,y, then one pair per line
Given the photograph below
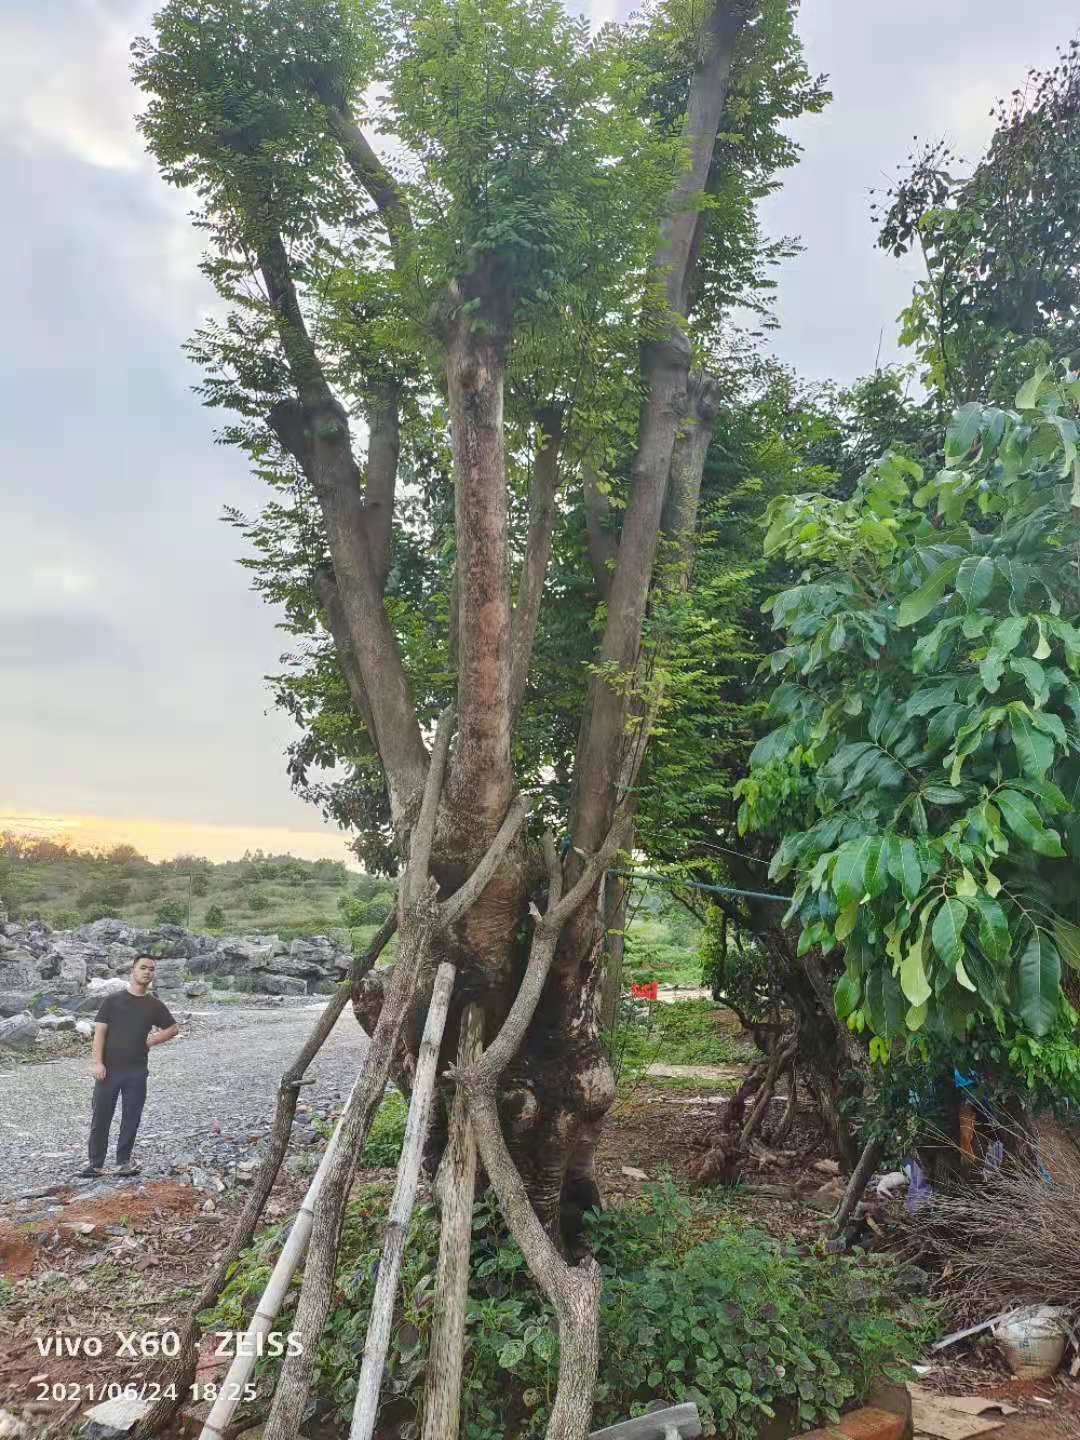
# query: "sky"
x,y
133,704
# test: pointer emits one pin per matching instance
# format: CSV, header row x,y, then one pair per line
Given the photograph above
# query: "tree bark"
x,y
455,1188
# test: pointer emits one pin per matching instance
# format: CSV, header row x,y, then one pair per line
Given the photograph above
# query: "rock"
x,y
203,1180
633,1173
56,1022
20,1032
120,958
12,1428
113,1418
300,967
19,970
100,988
194,988
79,1227
107,932
170,973
14,1002
85,1028
279,985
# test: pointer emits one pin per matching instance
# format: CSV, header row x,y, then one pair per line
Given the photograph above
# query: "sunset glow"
x,y
162,839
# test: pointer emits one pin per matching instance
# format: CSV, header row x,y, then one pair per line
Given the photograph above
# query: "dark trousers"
x,y
131,1084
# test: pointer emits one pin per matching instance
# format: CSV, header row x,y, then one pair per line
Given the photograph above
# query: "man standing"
x,y
122,1037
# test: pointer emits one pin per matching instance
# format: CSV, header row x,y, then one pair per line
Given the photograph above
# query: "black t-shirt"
x,y
130,1019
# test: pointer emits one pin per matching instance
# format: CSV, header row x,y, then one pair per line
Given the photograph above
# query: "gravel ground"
x,y
211,1090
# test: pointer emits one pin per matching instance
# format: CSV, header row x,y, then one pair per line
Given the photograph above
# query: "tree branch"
x,y
600,533
373,177
384,448
316,432
545,482
665,370
423,832
467,894
574,1291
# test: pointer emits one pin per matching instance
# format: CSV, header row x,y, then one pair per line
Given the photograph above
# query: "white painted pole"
x,y
401,1208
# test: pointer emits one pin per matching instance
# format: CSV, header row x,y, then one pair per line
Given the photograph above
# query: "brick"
x,y
872,1424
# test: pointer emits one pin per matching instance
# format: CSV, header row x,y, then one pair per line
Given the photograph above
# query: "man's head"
x,y
142,973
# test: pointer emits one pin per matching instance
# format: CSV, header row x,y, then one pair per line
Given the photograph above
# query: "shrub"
x,y
258,902
200,885
330,872
105,897
740,1324
66,919
214,919
171,912
387,1132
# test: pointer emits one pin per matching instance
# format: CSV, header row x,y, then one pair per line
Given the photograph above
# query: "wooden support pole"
x,y
262,1322
455,1186
401,1208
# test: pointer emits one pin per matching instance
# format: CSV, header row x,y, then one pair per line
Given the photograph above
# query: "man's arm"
x,y
167,1027
98,1052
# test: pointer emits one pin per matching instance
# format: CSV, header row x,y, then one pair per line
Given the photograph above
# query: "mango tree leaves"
x,y
1034,750
929,595
947,930
1038,983
975,580
1024,820
937,756
904,866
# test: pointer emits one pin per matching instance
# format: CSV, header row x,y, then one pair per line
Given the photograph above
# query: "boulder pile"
x,y
49,977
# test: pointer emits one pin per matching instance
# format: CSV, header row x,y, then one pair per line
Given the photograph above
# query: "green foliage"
x,y
535,159
52,879
998,241
171,912
684,1032
257,901
744,1326
384,1141
214,919
104,897
928,715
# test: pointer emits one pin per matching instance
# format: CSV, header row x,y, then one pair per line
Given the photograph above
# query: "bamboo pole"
x,y
455,1184
262,1322
401,1208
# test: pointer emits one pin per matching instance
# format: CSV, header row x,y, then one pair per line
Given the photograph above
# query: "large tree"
x,y
477,262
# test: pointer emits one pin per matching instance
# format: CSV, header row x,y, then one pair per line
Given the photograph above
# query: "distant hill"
x,y
272,893
66,887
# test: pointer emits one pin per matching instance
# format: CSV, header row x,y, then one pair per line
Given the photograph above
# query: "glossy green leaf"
x,y
1029,391
913,979
917,606
975,580
994,937
846,996
1038,983
1025,822
849,871
1034,750
904,866
947,930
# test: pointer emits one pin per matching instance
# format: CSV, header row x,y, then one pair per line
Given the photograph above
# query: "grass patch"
x,y
685,1032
